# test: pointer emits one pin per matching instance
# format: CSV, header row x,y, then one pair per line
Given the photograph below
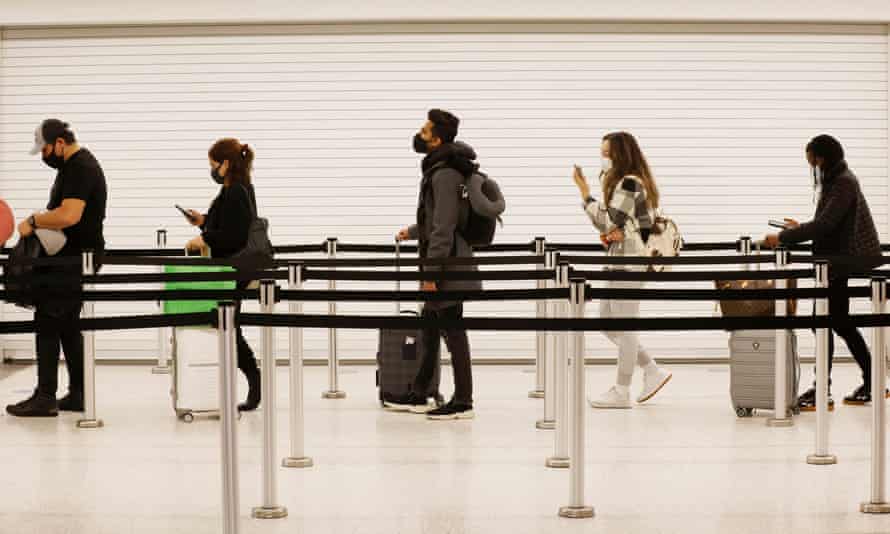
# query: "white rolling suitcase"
x,y
195,373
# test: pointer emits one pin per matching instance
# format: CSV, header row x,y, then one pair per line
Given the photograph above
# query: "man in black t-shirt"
x,y
77,207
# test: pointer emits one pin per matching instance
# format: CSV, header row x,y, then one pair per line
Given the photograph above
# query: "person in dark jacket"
x,y
445,167
224,230
76,206
842,226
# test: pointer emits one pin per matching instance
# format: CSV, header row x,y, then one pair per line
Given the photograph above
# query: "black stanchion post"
x,y
548,422
228,416
781,416
89,420
878,504
822,456
333,391
297,456
163,366
540,337
576,508
270,508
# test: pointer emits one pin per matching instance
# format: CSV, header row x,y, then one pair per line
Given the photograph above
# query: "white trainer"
x,y
652,384
612,399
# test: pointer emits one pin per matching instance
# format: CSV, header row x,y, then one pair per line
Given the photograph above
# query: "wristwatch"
x,y
32,222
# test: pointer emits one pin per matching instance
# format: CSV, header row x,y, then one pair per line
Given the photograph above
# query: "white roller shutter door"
x,y
722,117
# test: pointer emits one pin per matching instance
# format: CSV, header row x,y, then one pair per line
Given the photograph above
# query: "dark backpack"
x,y
18,274
482,204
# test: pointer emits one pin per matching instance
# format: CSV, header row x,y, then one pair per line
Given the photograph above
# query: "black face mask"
x,y
214,173
420,145
54,161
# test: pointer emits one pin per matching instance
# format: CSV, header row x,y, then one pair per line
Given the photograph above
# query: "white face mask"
x,y
605,164
817,174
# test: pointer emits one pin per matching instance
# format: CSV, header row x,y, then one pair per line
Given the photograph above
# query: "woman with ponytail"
x,y
224,230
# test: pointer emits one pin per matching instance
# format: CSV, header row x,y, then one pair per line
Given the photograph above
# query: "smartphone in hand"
x,y
778,224
184,212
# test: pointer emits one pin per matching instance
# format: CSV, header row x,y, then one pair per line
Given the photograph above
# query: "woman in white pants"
x,y
624,218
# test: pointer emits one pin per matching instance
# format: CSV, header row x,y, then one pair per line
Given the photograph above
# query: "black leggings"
x,y
839,308
246,359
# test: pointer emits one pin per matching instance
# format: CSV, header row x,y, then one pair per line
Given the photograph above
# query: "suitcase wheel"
x,y
188,417
744,412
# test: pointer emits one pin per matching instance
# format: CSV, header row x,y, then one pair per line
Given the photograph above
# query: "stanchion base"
x,y
333,395
158,370
305,461
270,512
815,459
875,508
576,512
90,423
557,462
543,424
784,422
536,394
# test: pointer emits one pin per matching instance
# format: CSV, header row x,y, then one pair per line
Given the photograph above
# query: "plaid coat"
x,y
627,210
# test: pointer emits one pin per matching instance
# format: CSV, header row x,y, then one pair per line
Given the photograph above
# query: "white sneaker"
x,y
612,399
652,384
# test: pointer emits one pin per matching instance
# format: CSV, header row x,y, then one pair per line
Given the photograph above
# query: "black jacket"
x,y
842,225
227,222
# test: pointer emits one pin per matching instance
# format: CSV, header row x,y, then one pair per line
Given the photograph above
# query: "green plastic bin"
x,y
195,306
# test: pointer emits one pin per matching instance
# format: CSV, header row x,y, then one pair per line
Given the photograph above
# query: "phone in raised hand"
x,y
185,212
778,224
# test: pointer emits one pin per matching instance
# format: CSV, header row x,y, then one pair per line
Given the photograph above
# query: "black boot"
x,y
72,402
254,393
37,405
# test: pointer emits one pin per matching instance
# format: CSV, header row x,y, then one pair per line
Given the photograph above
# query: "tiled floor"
x,y
682,464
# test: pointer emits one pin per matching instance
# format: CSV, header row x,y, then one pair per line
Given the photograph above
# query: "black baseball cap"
x,y
47,133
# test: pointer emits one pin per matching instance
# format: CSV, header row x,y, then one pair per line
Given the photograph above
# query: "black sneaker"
x,y
35,406
72,402
860,396
407,403
452,410
807,401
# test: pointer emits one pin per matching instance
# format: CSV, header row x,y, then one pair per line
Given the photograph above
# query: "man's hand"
x,y
403,235
25,228
581,182
604,239
428,286
771,241
791,223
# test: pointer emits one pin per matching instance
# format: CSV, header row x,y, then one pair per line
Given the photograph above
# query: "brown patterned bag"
x,y
736,308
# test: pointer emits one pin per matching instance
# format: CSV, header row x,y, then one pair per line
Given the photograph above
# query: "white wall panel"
x,y
723,114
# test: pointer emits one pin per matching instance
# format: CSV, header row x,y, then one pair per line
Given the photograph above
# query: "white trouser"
x,y
630,351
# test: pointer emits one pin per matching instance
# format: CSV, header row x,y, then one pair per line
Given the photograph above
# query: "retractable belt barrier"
x,y
361,322
304,295
390,249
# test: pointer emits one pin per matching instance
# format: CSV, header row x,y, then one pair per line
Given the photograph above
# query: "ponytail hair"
x,y
240,158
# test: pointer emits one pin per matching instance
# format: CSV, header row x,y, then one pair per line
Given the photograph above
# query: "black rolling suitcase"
x,y
398,358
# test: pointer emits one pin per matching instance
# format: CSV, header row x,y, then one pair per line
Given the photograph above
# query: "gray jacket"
x,y
438,216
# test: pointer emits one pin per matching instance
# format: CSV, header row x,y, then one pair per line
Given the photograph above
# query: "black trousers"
x,y
246,359
839,308
57,332
458,345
